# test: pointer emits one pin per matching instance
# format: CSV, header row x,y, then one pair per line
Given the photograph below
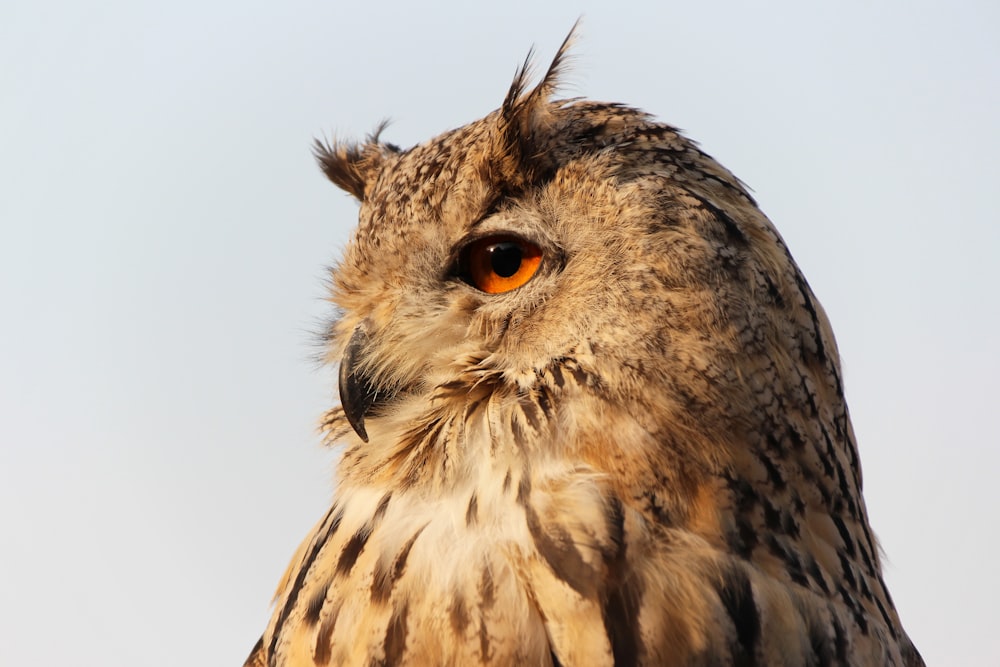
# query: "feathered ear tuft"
x,y
353,167
524,114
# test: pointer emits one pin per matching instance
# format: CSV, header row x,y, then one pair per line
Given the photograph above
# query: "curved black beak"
x,y
357,394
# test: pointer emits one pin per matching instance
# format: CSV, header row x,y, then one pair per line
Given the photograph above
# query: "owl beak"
x,y
357,394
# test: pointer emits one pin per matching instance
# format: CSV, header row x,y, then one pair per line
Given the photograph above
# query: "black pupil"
x,y
505,258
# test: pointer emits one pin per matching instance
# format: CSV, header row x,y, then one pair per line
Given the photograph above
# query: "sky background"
x,y
164,235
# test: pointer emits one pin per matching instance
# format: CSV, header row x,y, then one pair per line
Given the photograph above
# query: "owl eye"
x,y
497,264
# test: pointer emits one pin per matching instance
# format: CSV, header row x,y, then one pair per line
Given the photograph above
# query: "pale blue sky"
x,y
164,233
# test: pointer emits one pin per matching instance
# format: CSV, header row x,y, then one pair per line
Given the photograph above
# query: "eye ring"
x,y
498,264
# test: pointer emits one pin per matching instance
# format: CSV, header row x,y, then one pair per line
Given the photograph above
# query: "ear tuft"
x,y
524,115
354,167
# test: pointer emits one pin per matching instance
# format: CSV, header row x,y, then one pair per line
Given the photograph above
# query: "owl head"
x,y
572,280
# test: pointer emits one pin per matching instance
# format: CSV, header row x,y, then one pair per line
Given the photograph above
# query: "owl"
x,y
591,411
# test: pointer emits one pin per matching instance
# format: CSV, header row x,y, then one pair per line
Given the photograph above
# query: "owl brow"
x,y
498,198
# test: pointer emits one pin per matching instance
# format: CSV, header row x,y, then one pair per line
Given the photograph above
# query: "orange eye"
x,y
497,264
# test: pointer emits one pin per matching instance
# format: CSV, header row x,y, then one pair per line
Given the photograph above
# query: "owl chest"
x,y
463,579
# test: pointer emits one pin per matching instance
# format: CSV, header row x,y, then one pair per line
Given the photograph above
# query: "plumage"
x,y
639,455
